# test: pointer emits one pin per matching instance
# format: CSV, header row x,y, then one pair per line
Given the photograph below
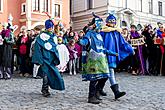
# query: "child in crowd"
x,y
63,55
73,55
79,52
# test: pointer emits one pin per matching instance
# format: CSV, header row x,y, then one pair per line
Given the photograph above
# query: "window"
x,y
139,5
57,10
89,4
160,8
23,8
45,5
36,5
71,6
151,6
1,4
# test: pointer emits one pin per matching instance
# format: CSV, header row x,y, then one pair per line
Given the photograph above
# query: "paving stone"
x,y
143,93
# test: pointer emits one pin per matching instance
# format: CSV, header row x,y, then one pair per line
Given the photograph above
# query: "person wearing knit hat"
x,y
114,41
49,25
46,55
111,22
95,66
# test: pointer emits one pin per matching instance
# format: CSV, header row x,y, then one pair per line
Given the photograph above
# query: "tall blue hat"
x,y
49,24
110,18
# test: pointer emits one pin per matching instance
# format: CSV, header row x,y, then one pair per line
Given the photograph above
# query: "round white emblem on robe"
x,y
44,37
48,46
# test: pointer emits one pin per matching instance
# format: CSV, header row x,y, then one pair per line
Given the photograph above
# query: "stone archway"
x,y
39,25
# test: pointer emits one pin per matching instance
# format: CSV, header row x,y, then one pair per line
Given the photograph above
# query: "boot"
x,y
100,86
7,76
93,100
45,87
102,93
98,95
45,92
117,93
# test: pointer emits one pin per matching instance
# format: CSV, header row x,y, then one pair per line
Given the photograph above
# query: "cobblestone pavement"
x,y
143,93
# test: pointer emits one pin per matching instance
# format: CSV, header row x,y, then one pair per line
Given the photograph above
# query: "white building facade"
x,y
127,11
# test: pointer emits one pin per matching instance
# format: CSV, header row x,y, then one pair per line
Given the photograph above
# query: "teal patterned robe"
x,y
46,55
95,65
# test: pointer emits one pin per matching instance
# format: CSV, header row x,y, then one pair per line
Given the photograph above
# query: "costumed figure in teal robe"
x,y
46,55
95,66
114,41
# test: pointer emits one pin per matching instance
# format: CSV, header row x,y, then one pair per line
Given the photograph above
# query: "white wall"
x,y
145,7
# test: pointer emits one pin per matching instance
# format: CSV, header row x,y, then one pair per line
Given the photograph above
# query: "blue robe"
x,y
47,56
115,42
95,64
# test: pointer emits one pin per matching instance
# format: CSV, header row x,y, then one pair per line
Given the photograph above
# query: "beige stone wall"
x,y
100,3
79,5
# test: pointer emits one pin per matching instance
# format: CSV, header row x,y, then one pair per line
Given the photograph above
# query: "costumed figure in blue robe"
x,y
46,55
114,41
95,66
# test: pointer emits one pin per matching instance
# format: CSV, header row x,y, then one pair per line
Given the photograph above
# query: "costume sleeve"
x,y
37,57
125,45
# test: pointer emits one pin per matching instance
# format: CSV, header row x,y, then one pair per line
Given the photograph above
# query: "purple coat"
x,y
72,52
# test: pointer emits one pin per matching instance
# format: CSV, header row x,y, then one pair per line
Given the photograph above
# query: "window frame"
x,y
22,8
151,6
59,10
45,5
1,10
90,4
34,8
160,8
